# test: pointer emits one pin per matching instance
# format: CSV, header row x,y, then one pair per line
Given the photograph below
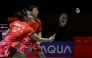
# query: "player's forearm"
x,y
36,37
44,40
40,34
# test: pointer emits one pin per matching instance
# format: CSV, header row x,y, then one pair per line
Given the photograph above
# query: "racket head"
x,y
63,19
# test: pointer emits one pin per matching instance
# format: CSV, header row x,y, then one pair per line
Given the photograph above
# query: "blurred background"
x,y
78,24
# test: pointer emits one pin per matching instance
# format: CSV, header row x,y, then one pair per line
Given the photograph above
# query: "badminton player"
x,y
17,31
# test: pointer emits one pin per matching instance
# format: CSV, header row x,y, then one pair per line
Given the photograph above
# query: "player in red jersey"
x,y
17,31
36,24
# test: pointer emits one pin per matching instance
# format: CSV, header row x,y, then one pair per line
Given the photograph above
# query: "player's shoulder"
x,y
15,21
38,20
19,22
12,23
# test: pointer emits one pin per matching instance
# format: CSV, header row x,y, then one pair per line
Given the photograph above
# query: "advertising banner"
x,y
58,48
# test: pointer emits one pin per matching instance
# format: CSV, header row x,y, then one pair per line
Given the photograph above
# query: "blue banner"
x,y
57,49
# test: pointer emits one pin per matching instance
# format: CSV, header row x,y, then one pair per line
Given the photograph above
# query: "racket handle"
x,y
54,35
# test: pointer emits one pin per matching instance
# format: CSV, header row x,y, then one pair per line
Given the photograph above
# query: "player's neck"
x,y
34,18
26,21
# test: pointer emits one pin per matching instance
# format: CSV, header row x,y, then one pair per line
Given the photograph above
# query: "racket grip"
x,y
54,35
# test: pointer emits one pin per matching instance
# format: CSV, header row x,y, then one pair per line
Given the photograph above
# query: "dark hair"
x,y
31,7
22,13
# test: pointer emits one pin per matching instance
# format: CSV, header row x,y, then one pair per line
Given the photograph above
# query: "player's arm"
x,y
40,29
40,39
7,31
40,34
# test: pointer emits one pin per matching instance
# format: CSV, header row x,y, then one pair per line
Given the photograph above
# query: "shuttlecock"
x,y
77,10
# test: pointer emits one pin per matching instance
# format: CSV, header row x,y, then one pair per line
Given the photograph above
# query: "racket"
x,y
62,22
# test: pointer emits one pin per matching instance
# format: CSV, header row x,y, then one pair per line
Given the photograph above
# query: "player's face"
x,y
35,12
29,16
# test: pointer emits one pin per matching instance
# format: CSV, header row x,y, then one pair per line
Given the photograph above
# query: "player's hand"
x,y
52,38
